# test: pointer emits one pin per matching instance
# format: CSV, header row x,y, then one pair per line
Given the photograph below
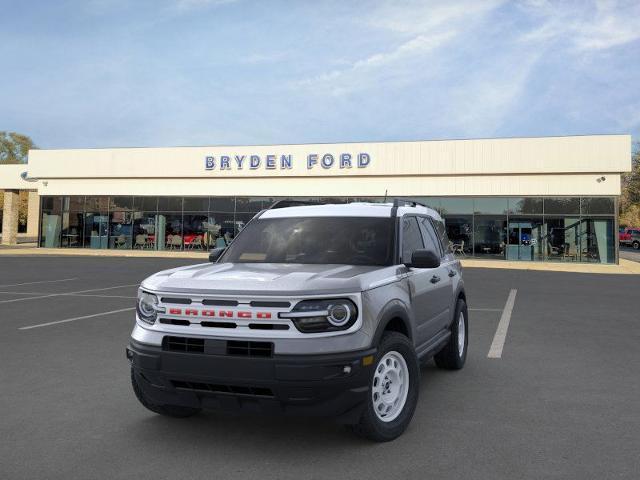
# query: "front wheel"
x,y
454,353
393,390
636,245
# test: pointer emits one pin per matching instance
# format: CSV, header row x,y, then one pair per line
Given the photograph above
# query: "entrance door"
x,y
524,239
97,230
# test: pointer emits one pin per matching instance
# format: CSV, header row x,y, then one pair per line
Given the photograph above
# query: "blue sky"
x,y
103,73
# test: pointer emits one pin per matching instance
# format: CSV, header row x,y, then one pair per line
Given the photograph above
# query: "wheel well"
x,y
396,324
462,296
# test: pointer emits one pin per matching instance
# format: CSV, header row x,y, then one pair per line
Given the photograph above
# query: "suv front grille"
x,y
235,348
183,344
249,349
231,389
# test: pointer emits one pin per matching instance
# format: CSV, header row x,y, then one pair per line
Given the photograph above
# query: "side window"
x,y
431,242
411,238
441,230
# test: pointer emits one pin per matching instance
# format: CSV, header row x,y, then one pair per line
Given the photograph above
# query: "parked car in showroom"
x,y
311,310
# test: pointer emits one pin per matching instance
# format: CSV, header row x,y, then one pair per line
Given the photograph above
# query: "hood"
x,y
268,279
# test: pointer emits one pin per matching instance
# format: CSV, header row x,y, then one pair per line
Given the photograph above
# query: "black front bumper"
x,y
319,385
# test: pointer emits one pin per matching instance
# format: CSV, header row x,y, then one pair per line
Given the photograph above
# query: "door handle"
x,y
452,273
435,279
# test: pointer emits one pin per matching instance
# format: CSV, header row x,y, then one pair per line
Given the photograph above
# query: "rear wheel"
x,y
636,245
393,390
167,410
454,353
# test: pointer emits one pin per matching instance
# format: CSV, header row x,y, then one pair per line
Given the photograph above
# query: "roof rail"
x,y
289,202
402,202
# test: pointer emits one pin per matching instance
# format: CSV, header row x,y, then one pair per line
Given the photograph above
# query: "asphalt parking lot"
x,y
561,400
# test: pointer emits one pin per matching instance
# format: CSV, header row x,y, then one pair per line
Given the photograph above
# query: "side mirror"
x,y
424,259
215,254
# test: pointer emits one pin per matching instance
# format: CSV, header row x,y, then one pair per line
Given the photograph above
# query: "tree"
x,y
14,147
630,198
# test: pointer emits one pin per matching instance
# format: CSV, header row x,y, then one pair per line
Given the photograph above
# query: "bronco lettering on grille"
x,y
192,312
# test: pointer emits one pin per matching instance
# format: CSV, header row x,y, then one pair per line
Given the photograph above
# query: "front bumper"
x,y
333,385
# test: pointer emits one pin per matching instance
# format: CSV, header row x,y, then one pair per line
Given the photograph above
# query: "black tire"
x,y
450,357
636,245
369,425
176,411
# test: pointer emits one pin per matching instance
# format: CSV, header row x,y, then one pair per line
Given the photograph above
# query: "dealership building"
x,y
531,199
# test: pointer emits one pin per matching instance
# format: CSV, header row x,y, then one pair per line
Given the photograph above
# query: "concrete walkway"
x,y
626,267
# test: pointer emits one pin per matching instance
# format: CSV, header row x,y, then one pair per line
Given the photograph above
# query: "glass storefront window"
x,y
144,230
450,206
195,231
120,230
51,224
490,237
597,242
490,206
525,206
562,238
120,203
196,204
168,231
460,233
597,206
170,204
533,228
145,204
562,206
72,222
221,228
222,204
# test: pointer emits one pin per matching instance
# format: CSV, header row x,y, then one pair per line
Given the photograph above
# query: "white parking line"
x,y
67,293
29,327
41,281
501,332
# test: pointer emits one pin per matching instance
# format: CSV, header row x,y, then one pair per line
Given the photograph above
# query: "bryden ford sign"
x,y
285,162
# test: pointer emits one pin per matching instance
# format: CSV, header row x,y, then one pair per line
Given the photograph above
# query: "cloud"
x,y
603,26
419,30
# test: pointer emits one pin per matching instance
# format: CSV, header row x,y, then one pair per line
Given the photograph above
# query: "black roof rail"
x,y
402,202
289,202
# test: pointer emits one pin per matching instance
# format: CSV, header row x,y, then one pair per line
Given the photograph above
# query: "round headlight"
x,y
147,307
339,314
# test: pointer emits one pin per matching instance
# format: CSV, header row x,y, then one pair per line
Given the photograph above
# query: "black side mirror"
x,y
424,259
215,254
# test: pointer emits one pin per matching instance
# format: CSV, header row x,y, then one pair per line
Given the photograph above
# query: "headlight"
x,y
313,316
147,307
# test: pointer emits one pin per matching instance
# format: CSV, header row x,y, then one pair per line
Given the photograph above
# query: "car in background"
x,y
629,237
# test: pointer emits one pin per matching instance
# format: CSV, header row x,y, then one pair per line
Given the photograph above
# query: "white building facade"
x,y
534,199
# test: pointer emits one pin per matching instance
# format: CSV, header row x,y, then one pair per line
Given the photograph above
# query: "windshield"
x,y
342,240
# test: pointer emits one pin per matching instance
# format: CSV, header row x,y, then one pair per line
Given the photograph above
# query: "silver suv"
x,y
316,310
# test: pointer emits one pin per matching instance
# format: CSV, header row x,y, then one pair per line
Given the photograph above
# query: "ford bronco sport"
x,y
319,310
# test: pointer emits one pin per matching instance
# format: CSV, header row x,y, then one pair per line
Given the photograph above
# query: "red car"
x,y
629,236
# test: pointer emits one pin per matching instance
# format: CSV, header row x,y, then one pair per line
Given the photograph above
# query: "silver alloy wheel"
x,y
461,334
390,386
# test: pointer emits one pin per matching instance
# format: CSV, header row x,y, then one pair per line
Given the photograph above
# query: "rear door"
x,y
423,283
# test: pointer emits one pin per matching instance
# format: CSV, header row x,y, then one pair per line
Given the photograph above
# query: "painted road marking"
x,y
41,281
84,317
503,326
478,309
67,293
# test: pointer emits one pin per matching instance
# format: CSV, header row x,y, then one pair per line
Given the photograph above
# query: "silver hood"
x,y
269,279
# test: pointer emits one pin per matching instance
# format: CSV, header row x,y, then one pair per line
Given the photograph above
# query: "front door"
x,y
429,287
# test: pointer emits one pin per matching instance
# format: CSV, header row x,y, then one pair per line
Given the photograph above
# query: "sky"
x,y
115,73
